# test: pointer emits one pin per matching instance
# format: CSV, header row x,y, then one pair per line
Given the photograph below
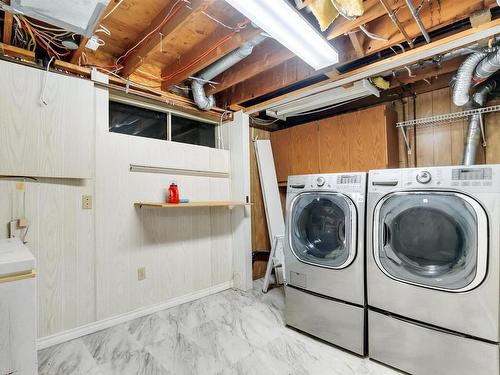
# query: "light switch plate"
x,y
86,202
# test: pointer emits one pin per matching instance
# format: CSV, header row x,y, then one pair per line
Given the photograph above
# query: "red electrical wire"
x,y
240,26
171,13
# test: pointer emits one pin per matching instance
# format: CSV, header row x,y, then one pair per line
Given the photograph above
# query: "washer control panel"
x,y
424,177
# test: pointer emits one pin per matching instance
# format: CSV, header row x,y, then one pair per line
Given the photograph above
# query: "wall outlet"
x,y
86,202
141,273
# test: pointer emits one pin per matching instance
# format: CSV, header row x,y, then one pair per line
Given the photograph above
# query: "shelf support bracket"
x,y
407,141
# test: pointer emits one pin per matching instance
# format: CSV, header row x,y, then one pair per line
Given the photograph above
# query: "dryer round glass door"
x,y
431,239
322,229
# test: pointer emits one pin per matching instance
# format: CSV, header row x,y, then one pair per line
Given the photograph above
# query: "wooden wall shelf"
x,y
229,204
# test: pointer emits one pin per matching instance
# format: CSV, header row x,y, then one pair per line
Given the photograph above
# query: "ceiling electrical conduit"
x,y
201,99
395,20
414,13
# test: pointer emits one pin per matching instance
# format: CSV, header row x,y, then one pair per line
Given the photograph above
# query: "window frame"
x,y
169,112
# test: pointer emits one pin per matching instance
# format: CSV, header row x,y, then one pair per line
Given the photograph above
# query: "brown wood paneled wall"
x,y
442,144
355,141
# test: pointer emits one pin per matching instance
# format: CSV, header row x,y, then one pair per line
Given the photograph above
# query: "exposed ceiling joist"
x,y
205,54
283,75
373,10
12,51
357,41
262,59
427,72
75,56
434,15
426,51
445,13
7,25
267,55
173,17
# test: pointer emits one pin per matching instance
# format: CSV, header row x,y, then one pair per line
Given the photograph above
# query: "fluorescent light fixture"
x,y
326,98
283,23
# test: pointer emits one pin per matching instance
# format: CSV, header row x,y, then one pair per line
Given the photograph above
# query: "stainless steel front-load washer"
x,y
433,243
324,257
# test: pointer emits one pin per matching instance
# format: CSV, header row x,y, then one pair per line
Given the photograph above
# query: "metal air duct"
x,y
475,124
205,102
487,67
464,78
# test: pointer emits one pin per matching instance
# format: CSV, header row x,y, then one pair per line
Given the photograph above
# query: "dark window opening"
x,y
194,132
127,119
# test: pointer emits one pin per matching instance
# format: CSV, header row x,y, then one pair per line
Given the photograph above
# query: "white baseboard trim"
x,y
71,334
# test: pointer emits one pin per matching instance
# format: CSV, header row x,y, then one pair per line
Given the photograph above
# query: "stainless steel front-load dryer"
x,y
433,244
324,257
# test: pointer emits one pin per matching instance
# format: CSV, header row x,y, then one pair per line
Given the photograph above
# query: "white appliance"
x,y
17,309
433,244
324,257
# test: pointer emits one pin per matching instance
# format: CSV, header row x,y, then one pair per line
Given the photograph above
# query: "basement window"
x,y
191,131
141,122
127,116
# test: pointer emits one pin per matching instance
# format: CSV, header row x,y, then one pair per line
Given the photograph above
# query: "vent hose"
x,y
474,129
464,78
487,67
201,99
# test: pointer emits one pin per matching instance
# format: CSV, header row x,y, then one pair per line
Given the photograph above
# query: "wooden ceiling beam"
x,y
373,10
447,12
357,41
434,15
20,53
265,56
463,38
75,56
265,59
168,23
7,26
204,54
285,74
424,73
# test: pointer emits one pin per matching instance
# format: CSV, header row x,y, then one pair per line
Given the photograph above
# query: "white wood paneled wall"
x,y
61,236
52,140
184,250
87,260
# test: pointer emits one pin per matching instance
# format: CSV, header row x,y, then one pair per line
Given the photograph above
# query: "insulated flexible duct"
x,y
487,67
464,78
474,130
205,102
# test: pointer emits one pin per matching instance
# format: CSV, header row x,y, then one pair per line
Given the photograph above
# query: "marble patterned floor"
x,y
231,332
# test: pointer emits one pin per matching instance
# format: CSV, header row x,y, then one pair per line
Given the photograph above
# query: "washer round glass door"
x,y
431,239
322,229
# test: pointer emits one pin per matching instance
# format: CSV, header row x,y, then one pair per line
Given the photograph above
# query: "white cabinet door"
x,y
18,327
53,140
